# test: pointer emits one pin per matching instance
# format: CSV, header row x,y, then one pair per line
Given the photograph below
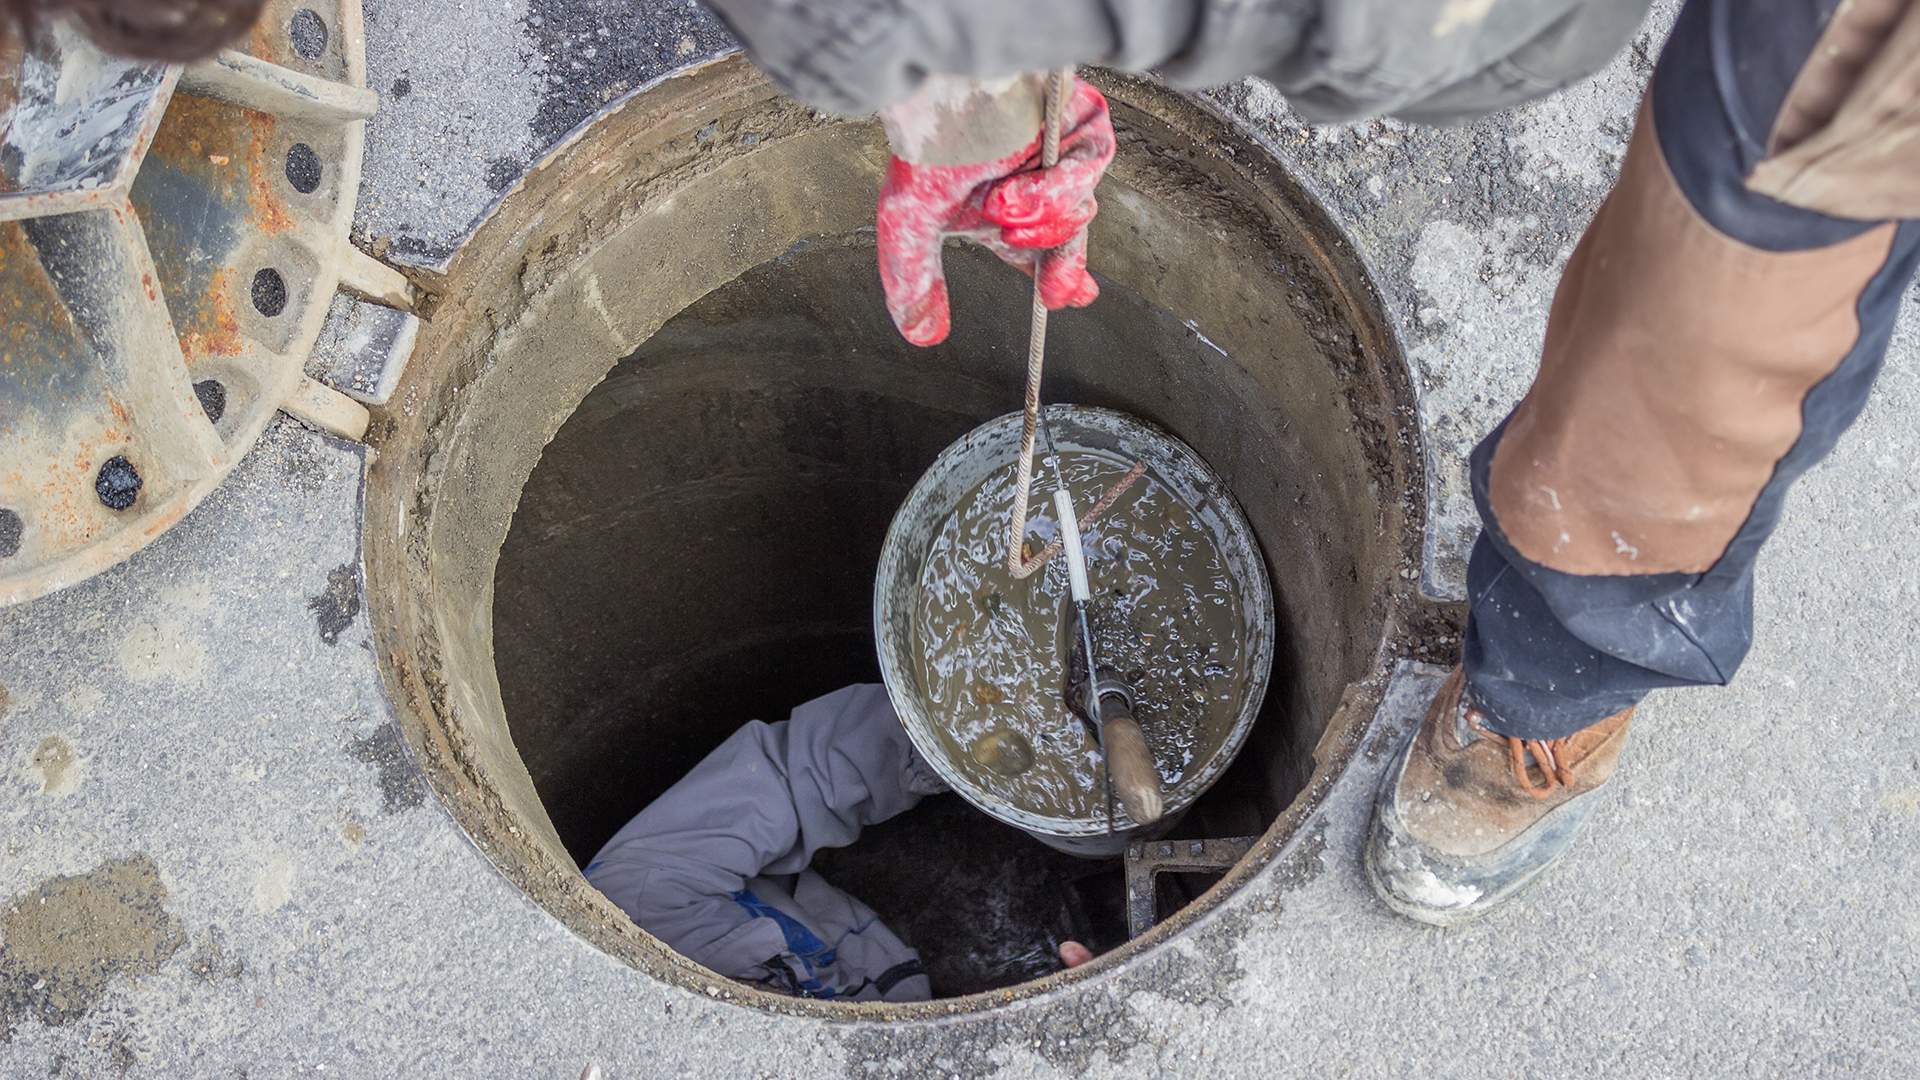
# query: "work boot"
x,y
1465,818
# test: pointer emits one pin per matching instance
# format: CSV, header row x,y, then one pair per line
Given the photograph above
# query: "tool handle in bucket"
x,y
1070,547
1136,780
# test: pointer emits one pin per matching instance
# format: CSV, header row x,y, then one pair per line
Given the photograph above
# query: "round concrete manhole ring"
x,y
670,331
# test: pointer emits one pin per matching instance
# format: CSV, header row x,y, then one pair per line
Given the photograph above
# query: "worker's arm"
x,y
1426,60
761,804
959,91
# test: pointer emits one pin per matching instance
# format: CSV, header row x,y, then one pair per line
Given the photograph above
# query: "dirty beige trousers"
x,y
1717,328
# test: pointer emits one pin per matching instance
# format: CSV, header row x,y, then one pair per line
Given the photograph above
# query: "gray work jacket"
x,y
718,868
1432,61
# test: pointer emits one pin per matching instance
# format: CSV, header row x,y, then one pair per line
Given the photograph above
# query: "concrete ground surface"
x,y
216,858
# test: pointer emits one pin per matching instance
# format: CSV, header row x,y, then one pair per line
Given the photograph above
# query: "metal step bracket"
x,y
1146,860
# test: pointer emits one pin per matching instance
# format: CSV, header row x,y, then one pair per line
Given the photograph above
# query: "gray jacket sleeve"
x,y
1428,60
760,805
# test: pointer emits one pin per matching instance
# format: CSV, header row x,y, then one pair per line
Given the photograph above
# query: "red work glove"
x,y
1011,205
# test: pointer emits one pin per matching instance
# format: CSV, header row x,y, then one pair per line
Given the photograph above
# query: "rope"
x,y
1058,84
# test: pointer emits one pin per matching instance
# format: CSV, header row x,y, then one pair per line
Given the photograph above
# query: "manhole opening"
x,y
697,548
584,584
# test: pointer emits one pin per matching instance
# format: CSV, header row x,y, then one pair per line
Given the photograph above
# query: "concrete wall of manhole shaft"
x,y
553,587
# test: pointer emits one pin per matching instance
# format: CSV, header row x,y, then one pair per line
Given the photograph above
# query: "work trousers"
x,y
1717,328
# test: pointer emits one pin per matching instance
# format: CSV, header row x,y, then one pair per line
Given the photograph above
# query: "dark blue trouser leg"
x,y
1640,480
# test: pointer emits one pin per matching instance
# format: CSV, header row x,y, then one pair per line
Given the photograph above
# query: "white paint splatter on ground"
x,y
58,767
162,651
274,885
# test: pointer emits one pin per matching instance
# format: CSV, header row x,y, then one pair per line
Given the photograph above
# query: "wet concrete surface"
x,y
70,939
1743,907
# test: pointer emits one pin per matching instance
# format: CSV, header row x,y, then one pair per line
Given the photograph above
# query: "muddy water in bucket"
x,y
1165,616
1181,612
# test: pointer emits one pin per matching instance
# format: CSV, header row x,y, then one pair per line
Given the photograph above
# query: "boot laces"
x,y
1546,754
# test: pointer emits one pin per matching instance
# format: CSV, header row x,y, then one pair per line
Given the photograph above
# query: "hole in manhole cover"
x,y
117,483
303,168
212,397
584,584
11,529
269,292
309,33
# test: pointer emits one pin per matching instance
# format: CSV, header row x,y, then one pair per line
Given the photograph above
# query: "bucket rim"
x,y
901,558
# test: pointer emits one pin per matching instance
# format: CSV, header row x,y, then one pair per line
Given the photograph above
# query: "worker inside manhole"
x,y
1083,677
996,749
